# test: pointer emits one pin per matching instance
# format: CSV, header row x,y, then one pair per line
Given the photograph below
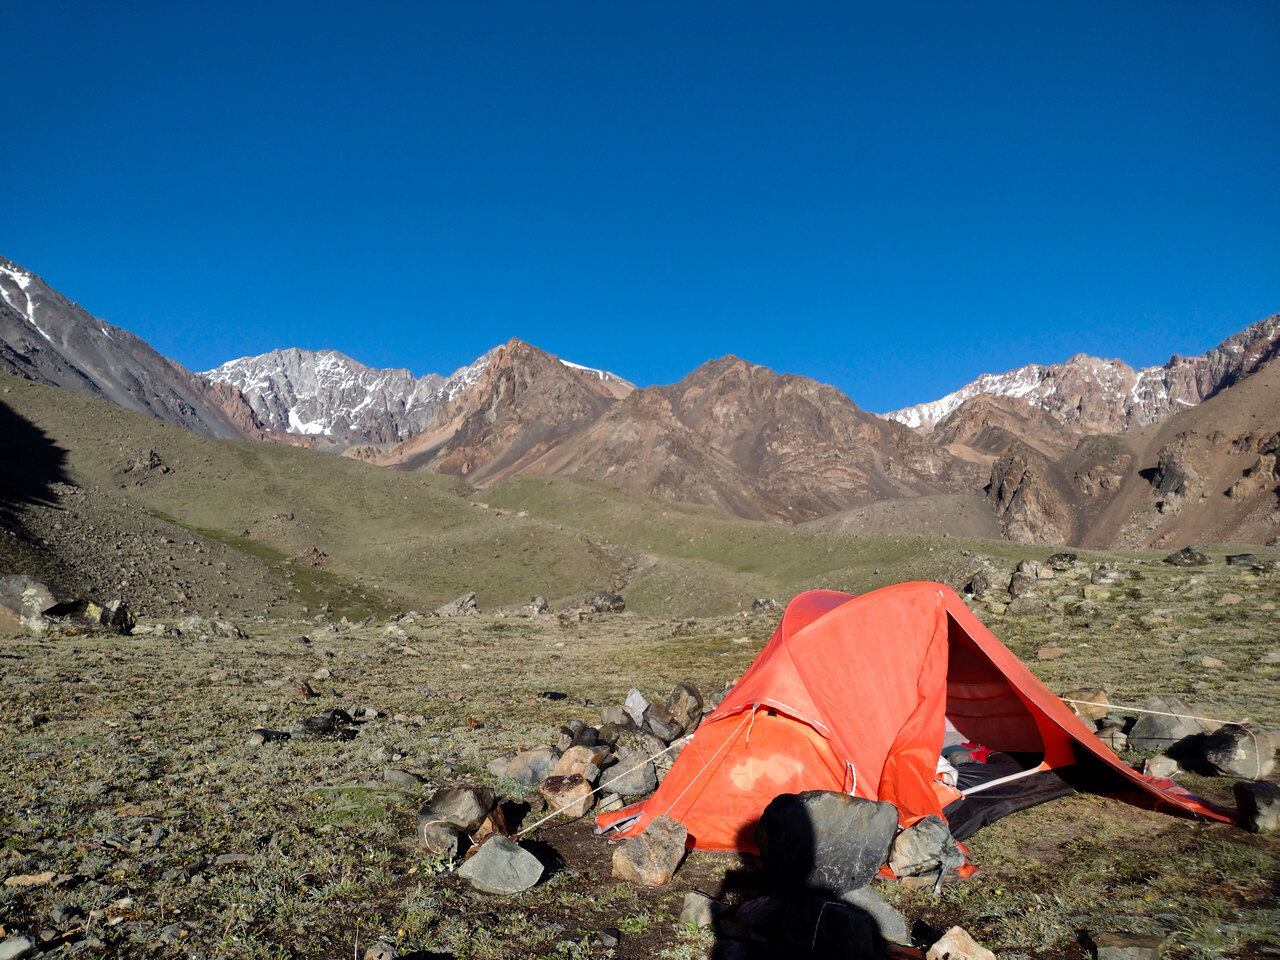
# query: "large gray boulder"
x,y
825,842
1157,731
463,806
26,603
463,606
1238,751
502,866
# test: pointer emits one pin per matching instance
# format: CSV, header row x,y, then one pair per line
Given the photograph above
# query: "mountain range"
x,y
1089,451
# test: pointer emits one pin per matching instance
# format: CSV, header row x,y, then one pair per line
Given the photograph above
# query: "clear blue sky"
x,y
891,197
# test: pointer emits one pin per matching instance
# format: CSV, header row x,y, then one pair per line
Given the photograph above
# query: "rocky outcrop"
x,y
1029,508
1109,396
46,338
731,434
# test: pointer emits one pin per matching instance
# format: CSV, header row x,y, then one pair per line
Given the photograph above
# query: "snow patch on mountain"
x,y
1108,396
22,280
1070,391
324,392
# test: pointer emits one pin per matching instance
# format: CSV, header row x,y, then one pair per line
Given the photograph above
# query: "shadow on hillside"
x,y
30,464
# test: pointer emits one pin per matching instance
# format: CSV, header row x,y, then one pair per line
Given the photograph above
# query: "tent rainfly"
x,y
850,695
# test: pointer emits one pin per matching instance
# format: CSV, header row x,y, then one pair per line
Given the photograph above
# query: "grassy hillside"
x,y
395,539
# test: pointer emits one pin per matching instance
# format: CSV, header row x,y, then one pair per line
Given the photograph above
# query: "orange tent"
x,y
850,695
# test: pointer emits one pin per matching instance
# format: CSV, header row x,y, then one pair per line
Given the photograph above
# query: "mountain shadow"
x,y
30,464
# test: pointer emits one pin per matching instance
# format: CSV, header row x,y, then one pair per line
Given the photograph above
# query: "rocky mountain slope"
x,y
327,394
46,338
1109,396
324,392
1208,472
522,403
732,434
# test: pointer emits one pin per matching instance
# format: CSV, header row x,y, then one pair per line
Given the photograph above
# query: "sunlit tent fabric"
x,y
850,694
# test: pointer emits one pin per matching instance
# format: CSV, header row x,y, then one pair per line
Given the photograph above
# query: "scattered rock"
x,y
1127,946
604,602
382,950
330,723
1113,735
402,778
463,606
582,761
25,598
685,705
463,806
502,866
1021,582
570,795
764,605
608,938
659,721
634,774
1258,805
699,910
1088,709
1161,765
956,944
536,606
1188,556
260,735
17,948
1029,604
1250,561
926,848
1062,562
1155,731
635,706
529,767
438,836
652,857
824,841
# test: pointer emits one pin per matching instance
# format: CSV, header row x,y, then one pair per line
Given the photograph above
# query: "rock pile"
x,y
38,607
1171,729
615,758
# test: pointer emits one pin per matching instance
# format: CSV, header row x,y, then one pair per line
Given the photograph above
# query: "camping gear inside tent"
x,y
851,694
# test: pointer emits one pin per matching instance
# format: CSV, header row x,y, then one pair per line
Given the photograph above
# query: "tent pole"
x,y
999,780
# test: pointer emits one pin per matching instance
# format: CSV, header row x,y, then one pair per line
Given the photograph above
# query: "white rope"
x,y
1243,724
694,779
555,813
1158,713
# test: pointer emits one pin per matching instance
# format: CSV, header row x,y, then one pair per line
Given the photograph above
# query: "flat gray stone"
x,y
1154,731
501,866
